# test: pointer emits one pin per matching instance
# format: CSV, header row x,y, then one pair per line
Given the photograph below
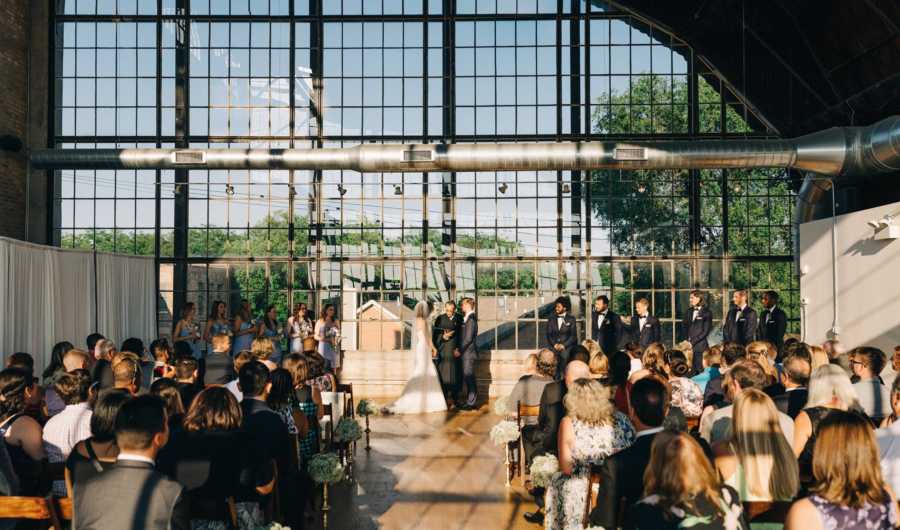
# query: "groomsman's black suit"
x,y
650,333
469,356
696,331
607,333
448,364
622,478
740,326
772,325
567,335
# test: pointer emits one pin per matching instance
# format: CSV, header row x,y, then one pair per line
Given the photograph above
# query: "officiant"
x,y
445,336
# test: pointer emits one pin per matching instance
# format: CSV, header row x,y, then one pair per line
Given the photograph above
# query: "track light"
x,y
884,222
503,187
398,189
566,188
341,189
641,188
229,190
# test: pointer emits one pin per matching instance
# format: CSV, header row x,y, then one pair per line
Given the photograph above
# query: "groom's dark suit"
x,y
469,356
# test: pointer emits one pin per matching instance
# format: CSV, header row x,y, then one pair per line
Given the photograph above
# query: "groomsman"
x,y
773,321
645,328
468,352
562,330
445,336
697,324
607,326
740,323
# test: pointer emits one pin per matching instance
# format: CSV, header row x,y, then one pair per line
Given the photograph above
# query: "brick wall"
x,y
13,58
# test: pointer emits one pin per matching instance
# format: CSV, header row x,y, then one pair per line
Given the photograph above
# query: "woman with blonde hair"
x,y
593,347
819,357
848,490
758,351
262,348
599,365
652,363
681,490
591,431
830,389
757,461
529,365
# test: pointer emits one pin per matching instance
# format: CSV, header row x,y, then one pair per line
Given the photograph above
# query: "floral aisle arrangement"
x,y
504,432
326,468
542,470
501,407
273,526
367,408
347,430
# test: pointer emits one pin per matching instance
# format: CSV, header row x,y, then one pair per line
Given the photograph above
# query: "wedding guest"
x,y
715,424
188,330
874,397
528,388
773,321
55,368
697,325
592,346
77,359
848,490
73,424
307,400
167,390
262,348
562,330
91,343
599,366
215,459
819,357
141,431
280,395
271,329
686,394
326,332
300,327
126,373
97,453
240,360
681,488
757,461
634,351
714,393
758,352
652,363
794,379
619,368
243,330
163,359
829,389
186,379
322,380
712,359
218,361
104,351
645,328
22,433
591,431
837,354
34,400
606,326
888,437
622,474
741,321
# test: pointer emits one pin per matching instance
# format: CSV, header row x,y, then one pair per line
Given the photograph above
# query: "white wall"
x,y
868,280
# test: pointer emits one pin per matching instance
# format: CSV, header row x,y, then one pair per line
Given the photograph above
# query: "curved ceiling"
x,y
804,64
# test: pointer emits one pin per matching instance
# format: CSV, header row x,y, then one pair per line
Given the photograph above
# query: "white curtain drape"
x,y
48,295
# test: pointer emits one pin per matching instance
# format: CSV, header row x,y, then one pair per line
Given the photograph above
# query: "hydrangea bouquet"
x,y
504,432
347,430
542,470
326,467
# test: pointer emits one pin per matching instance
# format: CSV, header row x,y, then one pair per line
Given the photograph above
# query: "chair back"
x,y
347,390
592,492
30,508
766,512
337,402
63,507
526,411
328,419
693,424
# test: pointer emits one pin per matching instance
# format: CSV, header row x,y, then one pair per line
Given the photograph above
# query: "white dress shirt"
x,y
62,432
641,321
560,319
233,388
889,448
600,318
740,311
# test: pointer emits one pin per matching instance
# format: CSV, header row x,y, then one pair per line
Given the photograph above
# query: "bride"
x,y
423,391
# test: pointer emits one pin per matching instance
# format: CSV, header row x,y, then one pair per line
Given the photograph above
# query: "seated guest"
x,y
591,431
712,359
72,360
53,370
529,365
794,379
239,360
686,394
888,437
528,388
90,457
874,397
127,372
320,378
622,475
652,363
715,424
280,396
757,461
145,363
682,490
132,494
34,401
168,391
308,401
163,359
848,490
542,438
91,342
819,357
215,459
262,348
599,366
70,426
714,394
634,351
186,379
104,351
758,351
22,433
218,361
837,354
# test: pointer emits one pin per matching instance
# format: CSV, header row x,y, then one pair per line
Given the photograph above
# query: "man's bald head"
x,y
576,370
75,360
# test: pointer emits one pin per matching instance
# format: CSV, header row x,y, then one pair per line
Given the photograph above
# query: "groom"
x,y
468,353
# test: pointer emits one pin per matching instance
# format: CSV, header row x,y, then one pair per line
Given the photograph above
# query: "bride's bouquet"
x,y
335,335
504,432
347,430
326,467
501,407
542,470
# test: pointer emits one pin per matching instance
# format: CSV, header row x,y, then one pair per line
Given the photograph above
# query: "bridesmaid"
x,y
327,333
299,327
244,330
188,330
269,327
217,323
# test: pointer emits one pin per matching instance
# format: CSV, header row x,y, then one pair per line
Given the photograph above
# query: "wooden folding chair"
x,y
347,389
63,507
522,412
766,512
328,434
29,508
593,489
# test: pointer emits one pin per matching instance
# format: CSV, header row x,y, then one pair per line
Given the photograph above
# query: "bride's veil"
x,y
421,311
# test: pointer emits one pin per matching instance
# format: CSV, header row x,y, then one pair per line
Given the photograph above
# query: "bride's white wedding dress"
x,y
422,392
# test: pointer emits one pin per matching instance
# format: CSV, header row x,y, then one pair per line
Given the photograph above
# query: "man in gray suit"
x,y
468,352
132,494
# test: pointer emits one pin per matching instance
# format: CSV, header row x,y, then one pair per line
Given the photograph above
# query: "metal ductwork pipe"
x,y
834,152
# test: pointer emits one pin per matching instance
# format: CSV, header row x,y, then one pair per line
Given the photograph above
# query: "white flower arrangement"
x,y
504,432
326,467
272,526
501,407
542,470
347,430
367,408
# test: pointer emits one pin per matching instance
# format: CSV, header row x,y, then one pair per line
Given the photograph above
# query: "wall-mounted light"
x,y
566,187
641,188
341,189
398,189
229,190
885,228
503,187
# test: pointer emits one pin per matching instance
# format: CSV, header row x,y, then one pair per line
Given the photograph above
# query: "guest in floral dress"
x,y
305,399
848,490
591,431
686,394
683,491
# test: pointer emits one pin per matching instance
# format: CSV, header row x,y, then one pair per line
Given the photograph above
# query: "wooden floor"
x,y
431,471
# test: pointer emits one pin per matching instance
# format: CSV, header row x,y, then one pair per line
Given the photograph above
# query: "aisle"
x,y
434,471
